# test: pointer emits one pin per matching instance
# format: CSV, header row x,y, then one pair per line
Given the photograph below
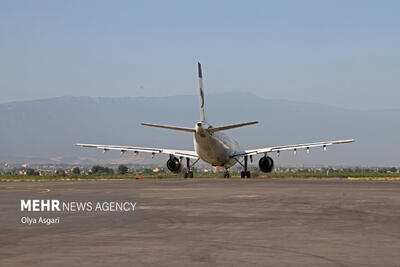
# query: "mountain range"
x,y
46,130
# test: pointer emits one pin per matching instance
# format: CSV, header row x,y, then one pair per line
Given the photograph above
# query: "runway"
x,y
222,222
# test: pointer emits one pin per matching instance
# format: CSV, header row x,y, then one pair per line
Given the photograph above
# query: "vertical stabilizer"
x,y
202,107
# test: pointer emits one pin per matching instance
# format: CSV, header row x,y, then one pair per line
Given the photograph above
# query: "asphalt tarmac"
x,y
222,222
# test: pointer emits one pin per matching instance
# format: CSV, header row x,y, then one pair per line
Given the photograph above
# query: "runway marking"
x,y
45,190
15,188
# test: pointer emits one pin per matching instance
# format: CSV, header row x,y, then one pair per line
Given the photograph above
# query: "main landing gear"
x,y
226,174
245,173
189,171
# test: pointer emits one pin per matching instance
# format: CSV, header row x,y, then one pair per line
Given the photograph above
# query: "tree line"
x,y
96,169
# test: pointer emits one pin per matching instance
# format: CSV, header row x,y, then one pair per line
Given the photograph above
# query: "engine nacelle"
x,y
174,165
266,164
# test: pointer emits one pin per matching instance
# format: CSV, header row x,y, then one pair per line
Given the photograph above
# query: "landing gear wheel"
x,y
245,173
226,174
189,172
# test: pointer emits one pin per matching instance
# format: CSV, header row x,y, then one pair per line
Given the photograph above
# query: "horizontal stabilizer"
x,y
227,127
191,130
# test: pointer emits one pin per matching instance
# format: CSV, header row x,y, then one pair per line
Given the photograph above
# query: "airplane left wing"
x,y
123,149
278,149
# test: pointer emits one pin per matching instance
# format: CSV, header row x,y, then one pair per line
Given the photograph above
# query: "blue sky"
x,y
342,53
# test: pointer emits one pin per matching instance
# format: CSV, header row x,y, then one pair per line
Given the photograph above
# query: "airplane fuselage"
x,y
214,148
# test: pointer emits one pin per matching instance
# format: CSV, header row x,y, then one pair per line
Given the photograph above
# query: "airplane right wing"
x,y
278,149
123,149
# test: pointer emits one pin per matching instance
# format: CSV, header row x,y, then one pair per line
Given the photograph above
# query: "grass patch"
x,y
350,175
373,178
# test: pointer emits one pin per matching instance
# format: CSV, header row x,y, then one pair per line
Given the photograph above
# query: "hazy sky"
x,y
344,53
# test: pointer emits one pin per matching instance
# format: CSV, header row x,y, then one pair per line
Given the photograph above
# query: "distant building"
x,y
218,169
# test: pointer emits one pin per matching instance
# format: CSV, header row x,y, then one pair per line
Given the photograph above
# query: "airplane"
x,y
214,147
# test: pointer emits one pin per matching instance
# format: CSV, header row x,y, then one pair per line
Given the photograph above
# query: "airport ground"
x,y
222,222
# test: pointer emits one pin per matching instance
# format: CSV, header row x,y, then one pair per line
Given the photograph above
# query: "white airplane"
x,y
212,146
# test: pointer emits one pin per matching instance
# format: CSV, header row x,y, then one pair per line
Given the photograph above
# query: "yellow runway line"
x,y
46,190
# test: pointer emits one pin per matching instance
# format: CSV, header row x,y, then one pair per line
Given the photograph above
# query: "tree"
x,y
147,171
108,170
122,169
76,170
97,169
60,172
30,171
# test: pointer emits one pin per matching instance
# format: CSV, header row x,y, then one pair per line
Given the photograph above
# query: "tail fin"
x,y
202,108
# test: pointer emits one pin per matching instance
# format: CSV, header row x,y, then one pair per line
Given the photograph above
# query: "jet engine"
x,y
174,165
266,164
